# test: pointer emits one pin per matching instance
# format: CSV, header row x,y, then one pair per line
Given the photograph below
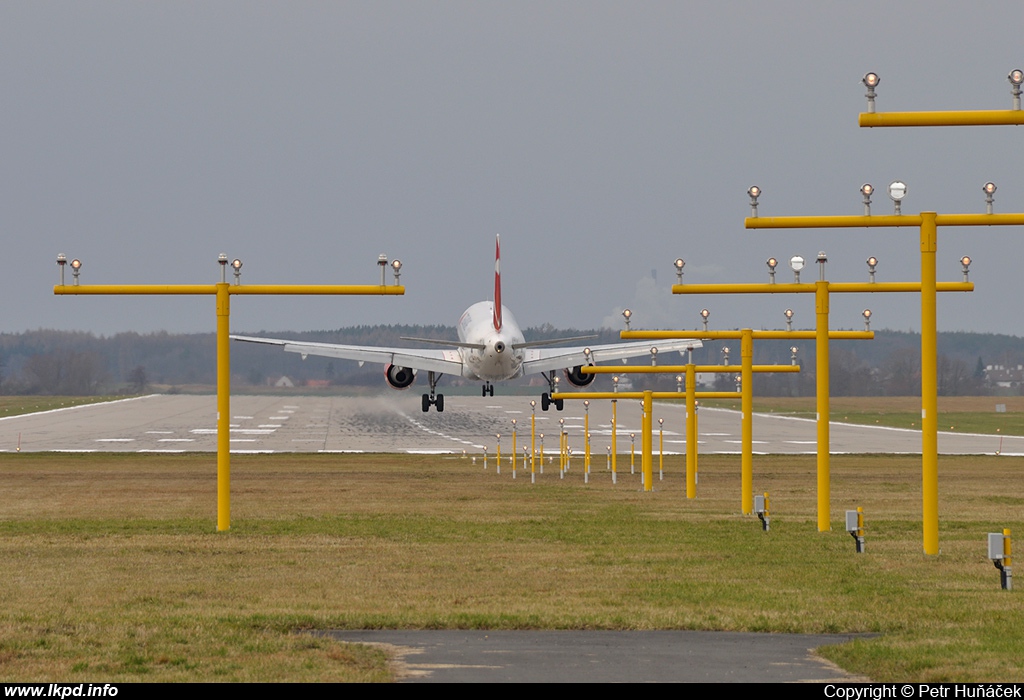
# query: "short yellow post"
x,y
513,455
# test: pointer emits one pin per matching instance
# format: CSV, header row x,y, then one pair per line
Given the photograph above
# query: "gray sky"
x,y
601,140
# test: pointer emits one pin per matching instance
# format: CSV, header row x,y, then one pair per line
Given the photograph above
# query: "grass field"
x,y
965,414
18,405
113,571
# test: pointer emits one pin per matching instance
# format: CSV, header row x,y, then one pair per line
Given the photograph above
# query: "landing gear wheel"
x,y
559,403
439,402
426,403
545,401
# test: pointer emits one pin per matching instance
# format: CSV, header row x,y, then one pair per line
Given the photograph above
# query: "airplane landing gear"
x,y
433,399
488,390
545,398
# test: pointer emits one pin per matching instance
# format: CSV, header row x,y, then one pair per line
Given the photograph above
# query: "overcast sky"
x,y
601,140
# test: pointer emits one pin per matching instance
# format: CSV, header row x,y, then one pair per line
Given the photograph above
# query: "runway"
x,y
395,423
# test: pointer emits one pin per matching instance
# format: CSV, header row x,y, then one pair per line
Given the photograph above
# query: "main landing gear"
x,y
488,390
545,398
433,399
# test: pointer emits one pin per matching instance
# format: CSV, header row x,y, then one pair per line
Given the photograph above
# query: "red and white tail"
x,y
497,283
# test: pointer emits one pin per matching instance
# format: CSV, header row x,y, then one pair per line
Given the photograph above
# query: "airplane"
x,y
490,348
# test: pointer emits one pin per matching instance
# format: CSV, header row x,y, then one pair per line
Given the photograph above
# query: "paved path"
x,y
395,423
458,656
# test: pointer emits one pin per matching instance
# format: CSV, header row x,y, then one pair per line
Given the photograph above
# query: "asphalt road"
x,y
395,423
481,656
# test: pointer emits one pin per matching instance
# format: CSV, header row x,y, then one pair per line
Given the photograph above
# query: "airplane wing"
x,y
442,361
545,360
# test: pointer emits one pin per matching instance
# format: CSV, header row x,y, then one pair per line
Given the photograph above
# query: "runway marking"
x,y
290,406
307,440
175,440
270,425
164,451
242,417
740,442
427,452
240,431
801,442
341,452
719,434
278,417
513,411
73,450
252,452
115,439
159,432
243,440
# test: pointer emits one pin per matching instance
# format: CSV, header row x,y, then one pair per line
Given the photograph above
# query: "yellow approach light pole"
x,y
222,293
822,289
974,117
927,224
747,369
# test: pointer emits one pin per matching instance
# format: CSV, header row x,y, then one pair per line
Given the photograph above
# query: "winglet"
x,y
497,283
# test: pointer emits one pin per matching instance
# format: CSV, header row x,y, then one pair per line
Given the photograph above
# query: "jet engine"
x,y
576,377
399,377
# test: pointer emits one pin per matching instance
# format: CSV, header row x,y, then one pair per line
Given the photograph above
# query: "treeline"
x,y
77,363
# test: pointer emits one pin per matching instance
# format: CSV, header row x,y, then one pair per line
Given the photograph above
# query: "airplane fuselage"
x,y
497,360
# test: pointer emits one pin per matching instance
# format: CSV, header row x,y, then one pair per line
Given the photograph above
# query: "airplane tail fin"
x,y
497,283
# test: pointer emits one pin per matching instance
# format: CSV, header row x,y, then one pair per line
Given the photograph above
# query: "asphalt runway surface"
x,y
668,656
395,423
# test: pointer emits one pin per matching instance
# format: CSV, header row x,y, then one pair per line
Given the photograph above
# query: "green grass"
x,y
112,570
19,405
962,414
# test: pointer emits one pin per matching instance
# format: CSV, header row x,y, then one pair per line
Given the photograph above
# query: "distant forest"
x,y
77,363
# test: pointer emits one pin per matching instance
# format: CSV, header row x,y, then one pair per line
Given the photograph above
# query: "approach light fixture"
x,y
704,313
822,259
1016,78
788,313
872,264
866,190
627,314
679,383
222,260
897,191
796,263
965,267
615,384
62,260
76,268
396,267
989,188
725,356
236,265
793,350
680,264
382,263
772,263
871,81
654,356
866,313
754,192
